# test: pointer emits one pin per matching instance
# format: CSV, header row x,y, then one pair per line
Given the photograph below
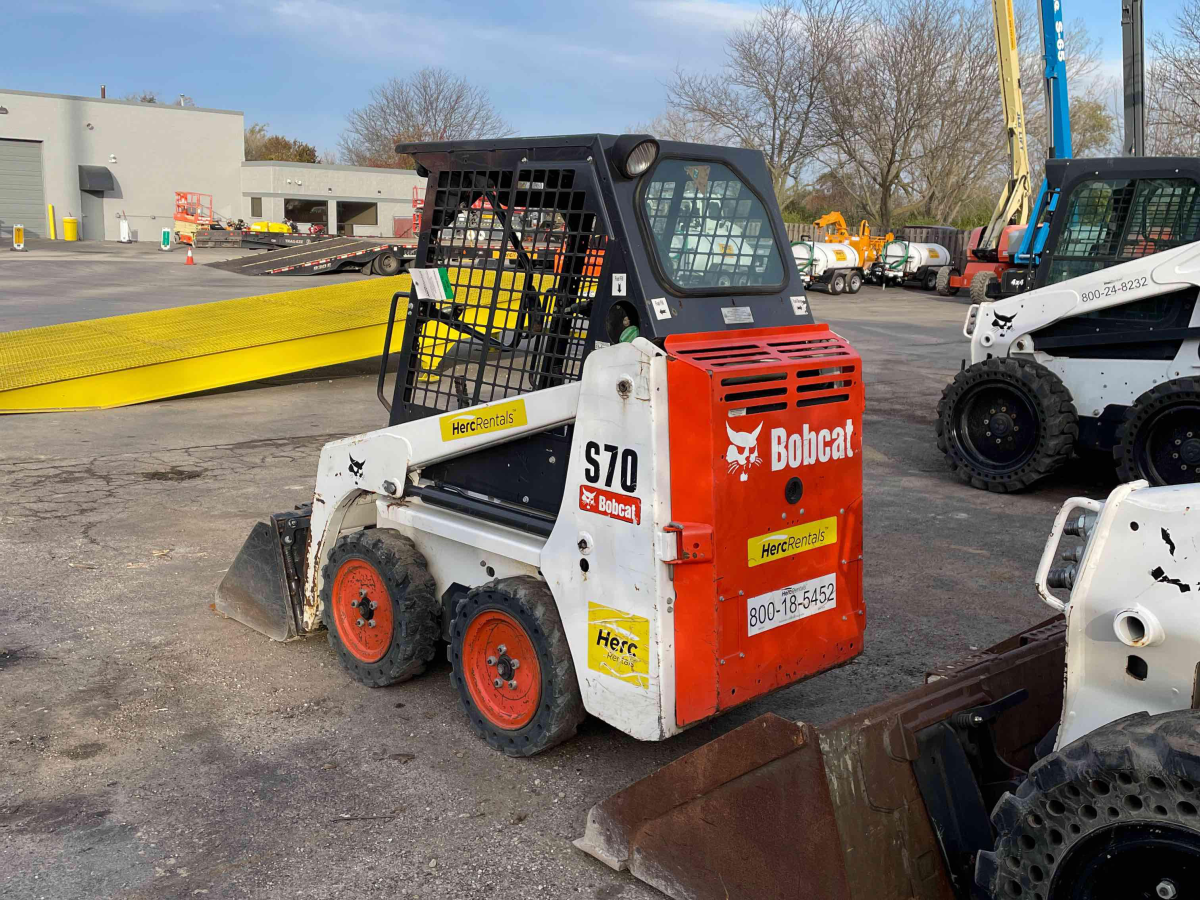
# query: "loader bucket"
x,y
264,586
889,803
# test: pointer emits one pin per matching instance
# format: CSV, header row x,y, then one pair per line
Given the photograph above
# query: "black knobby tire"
x,y
979,285
854,283
837,283
943,281
559,705
1114,815
991,401
929,281
387,264
415,611
1160,437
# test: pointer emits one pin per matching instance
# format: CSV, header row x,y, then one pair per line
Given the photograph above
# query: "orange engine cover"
x,y
766,456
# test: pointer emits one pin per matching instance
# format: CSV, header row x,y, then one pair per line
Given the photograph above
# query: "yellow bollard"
x,y
50,217
70,228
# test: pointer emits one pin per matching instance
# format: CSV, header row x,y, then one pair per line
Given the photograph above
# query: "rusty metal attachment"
x,y
884,804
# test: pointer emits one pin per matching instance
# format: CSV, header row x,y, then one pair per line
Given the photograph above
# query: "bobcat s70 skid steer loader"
x,y
623,471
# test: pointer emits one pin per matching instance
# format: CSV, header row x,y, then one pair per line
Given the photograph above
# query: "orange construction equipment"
x,y
193,212
868,247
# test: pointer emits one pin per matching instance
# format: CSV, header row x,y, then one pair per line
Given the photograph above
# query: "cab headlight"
x,y
635,153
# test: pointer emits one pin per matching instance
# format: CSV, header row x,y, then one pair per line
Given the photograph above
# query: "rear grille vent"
x,y
818,401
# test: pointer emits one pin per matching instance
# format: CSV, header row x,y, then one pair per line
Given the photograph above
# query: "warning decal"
x,y
618,645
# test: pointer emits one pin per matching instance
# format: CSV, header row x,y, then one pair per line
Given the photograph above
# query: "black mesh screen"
x,y
523,250
1115,220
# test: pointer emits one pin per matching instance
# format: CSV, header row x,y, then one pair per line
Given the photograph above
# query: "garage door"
x,y
21,199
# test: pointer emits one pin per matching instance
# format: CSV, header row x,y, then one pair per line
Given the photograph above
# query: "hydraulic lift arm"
x,y
1133,45
1058,119
1013,205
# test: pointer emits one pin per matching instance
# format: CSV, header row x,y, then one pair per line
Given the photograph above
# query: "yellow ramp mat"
x,y
102,363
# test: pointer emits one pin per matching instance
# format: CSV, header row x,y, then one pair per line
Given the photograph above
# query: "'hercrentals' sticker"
x,y
789,541
485,420
619,644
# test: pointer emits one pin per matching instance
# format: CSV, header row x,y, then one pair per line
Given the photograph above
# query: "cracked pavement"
x,y
151,749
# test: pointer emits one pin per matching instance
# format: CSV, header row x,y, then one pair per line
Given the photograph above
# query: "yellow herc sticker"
x,y
789,541
839,254
933,254
619,645
471,422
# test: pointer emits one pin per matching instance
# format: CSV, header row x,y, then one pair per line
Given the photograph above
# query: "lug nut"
x,y
1166,889
497,682
513,684
491,660
372,604
371,623
354,604
360,623
516,663
501,649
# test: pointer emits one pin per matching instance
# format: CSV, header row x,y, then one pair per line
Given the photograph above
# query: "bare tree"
x,y
677,125
142,97
884,99
432,105
770,94
1173,87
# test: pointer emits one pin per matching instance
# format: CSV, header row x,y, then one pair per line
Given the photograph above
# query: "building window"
x,y
256,207
309,212
357,217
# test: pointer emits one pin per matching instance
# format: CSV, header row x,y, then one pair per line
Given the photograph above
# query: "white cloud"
x,y
707,15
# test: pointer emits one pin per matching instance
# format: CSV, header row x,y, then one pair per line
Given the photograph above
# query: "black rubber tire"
x,y
943,282
929,280
529,601
387,264
1058,424
1131,455
854,283
416,614
979,285
837,283
1135,776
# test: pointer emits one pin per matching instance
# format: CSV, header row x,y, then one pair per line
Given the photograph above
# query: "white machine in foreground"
x,y
1114,810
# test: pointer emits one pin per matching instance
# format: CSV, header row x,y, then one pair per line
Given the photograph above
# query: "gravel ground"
x,y
151,749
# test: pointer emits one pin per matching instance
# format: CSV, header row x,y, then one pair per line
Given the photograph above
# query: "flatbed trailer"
x,y
254,240
336,254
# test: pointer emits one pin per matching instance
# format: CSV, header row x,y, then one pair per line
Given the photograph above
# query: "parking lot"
x,y
149,748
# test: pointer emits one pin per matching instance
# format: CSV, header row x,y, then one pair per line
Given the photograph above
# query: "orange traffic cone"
x,y
190,261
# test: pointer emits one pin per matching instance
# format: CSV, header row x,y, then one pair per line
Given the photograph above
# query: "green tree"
x,y
1093,128
261,145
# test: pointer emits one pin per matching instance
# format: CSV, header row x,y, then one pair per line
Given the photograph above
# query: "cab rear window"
x,y
709,230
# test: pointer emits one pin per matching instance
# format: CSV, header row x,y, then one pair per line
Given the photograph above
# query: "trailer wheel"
x,y
512,667
1005,423
1111,816
929,281
837,283
979,285
387,264
943,281
378,603
854,282
1160,437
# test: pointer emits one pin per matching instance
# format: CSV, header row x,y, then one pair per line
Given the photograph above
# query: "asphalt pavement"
x,y
151,749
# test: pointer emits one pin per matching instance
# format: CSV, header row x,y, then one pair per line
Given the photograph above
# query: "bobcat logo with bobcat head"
x,y
742,454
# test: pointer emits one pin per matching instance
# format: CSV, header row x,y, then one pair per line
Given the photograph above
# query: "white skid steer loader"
x,y
1104,352
623,471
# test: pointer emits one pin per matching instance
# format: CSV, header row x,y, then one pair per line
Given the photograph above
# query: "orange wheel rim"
x,y
501,668
362,609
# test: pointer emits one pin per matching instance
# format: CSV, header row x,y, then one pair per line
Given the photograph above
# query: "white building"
x,y
98,160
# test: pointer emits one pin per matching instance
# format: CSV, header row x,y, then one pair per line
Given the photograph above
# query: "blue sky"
x,y
551,67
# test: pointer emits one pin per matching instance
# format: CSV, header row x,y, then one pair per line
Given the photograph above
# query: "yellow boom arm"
x,y
1014,203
